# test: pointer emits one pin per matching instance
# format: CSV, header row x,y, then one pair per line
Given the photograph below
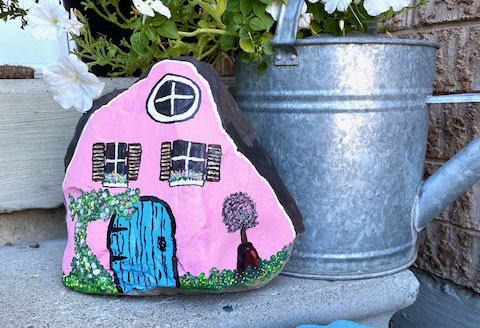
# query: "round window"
x,y
173,99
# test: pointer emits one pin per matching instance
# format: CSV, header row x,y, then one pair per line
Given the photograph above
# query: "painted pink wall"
x,y
202,238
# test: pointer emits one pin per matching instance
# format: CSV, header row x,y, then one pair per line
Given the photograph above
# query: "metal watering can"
x,y
345,121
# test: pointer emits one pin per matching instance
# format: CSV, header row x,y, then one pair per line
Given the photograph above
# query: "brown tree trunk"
x,y
243,235
247,254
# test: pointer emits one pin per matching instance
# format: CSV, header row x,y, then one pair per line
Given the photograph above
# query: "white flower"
x,y
71,25
332,5
377,7
305,18
71,83
96,272
45,19
274,9
148,7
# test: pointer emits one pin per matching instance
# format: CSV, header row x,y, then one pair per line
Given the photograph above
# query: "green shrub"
x,y
219,280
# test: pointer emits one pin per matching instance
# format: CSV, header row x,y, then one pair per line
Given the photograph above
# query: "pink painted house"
x,y
178,143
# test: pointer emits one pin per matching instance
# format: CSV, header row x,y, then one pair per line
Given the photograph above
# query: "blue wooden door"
x,y
142,249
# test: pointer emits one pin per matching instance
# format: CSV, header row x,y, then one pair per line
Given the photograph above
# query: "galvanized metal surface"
x,y
347,129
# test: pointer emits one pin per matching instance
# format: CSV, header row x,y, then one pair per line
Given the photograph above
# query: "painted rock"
x,y
167,189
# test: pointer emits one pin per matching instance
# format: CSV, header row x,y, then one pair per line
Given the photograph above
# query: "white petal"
x,y
71,25
71,83
143,8
44,18
313,1
160,8
304,8
343,5
376,7
332,5
274,9
305,21
398,5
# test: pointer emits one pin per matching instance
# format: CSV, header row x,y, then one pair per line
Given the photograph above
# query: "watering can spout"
x,y
447,184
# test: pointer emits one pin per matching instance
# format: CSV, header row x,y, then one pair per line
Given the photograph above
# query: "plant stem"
x,y
124,26
206,30
355,14
209,52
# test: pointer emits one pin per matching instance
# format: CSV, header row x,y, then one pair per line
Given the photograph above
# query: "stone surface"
x,y
200,199
31,294
458,60
31,226
437,11
450,252
452,127
440,304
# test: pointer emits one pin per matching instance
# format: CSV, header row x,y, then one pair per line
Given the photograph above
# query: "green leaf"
x,y
221,7
168,30
139,43
211,10
247,45
256,24
331,27
158,20
244,34
111,52
259,8
178,49
246,7
238,19
227,42
267,2
268,49
267,20
208,8
246,57
233,6
262,66
151,33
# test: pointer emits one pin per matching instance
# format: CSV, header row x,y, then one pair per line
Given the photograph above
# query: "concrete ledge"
x,y
30,226
31,294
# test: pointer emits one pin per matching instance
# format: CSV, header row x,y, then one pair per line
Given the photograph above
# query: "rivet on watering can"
x,y
293,56
278,57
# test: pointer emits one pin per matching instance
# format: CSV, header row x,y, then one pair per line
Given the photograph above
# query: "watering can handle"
x,y
452,179
286,34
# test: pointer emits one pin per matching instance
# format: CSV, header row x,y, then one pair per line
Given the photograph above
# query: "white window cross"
x,y
188,158
172,97
116,160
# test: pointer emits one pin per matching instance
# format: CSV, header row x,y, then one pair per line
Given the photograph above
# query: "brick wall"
x,y
450,246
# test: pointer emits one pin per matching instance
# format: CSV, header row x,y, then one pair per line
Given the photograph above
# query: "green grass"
x,y
219,280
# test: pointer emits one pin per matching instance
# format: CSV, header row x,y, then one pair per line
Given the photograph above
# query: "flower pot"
x,y
345,121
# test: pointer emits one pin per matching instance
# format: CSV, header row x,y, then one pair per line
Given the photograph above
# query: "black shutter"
x,y
98,162
213,163
134,158
166,153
